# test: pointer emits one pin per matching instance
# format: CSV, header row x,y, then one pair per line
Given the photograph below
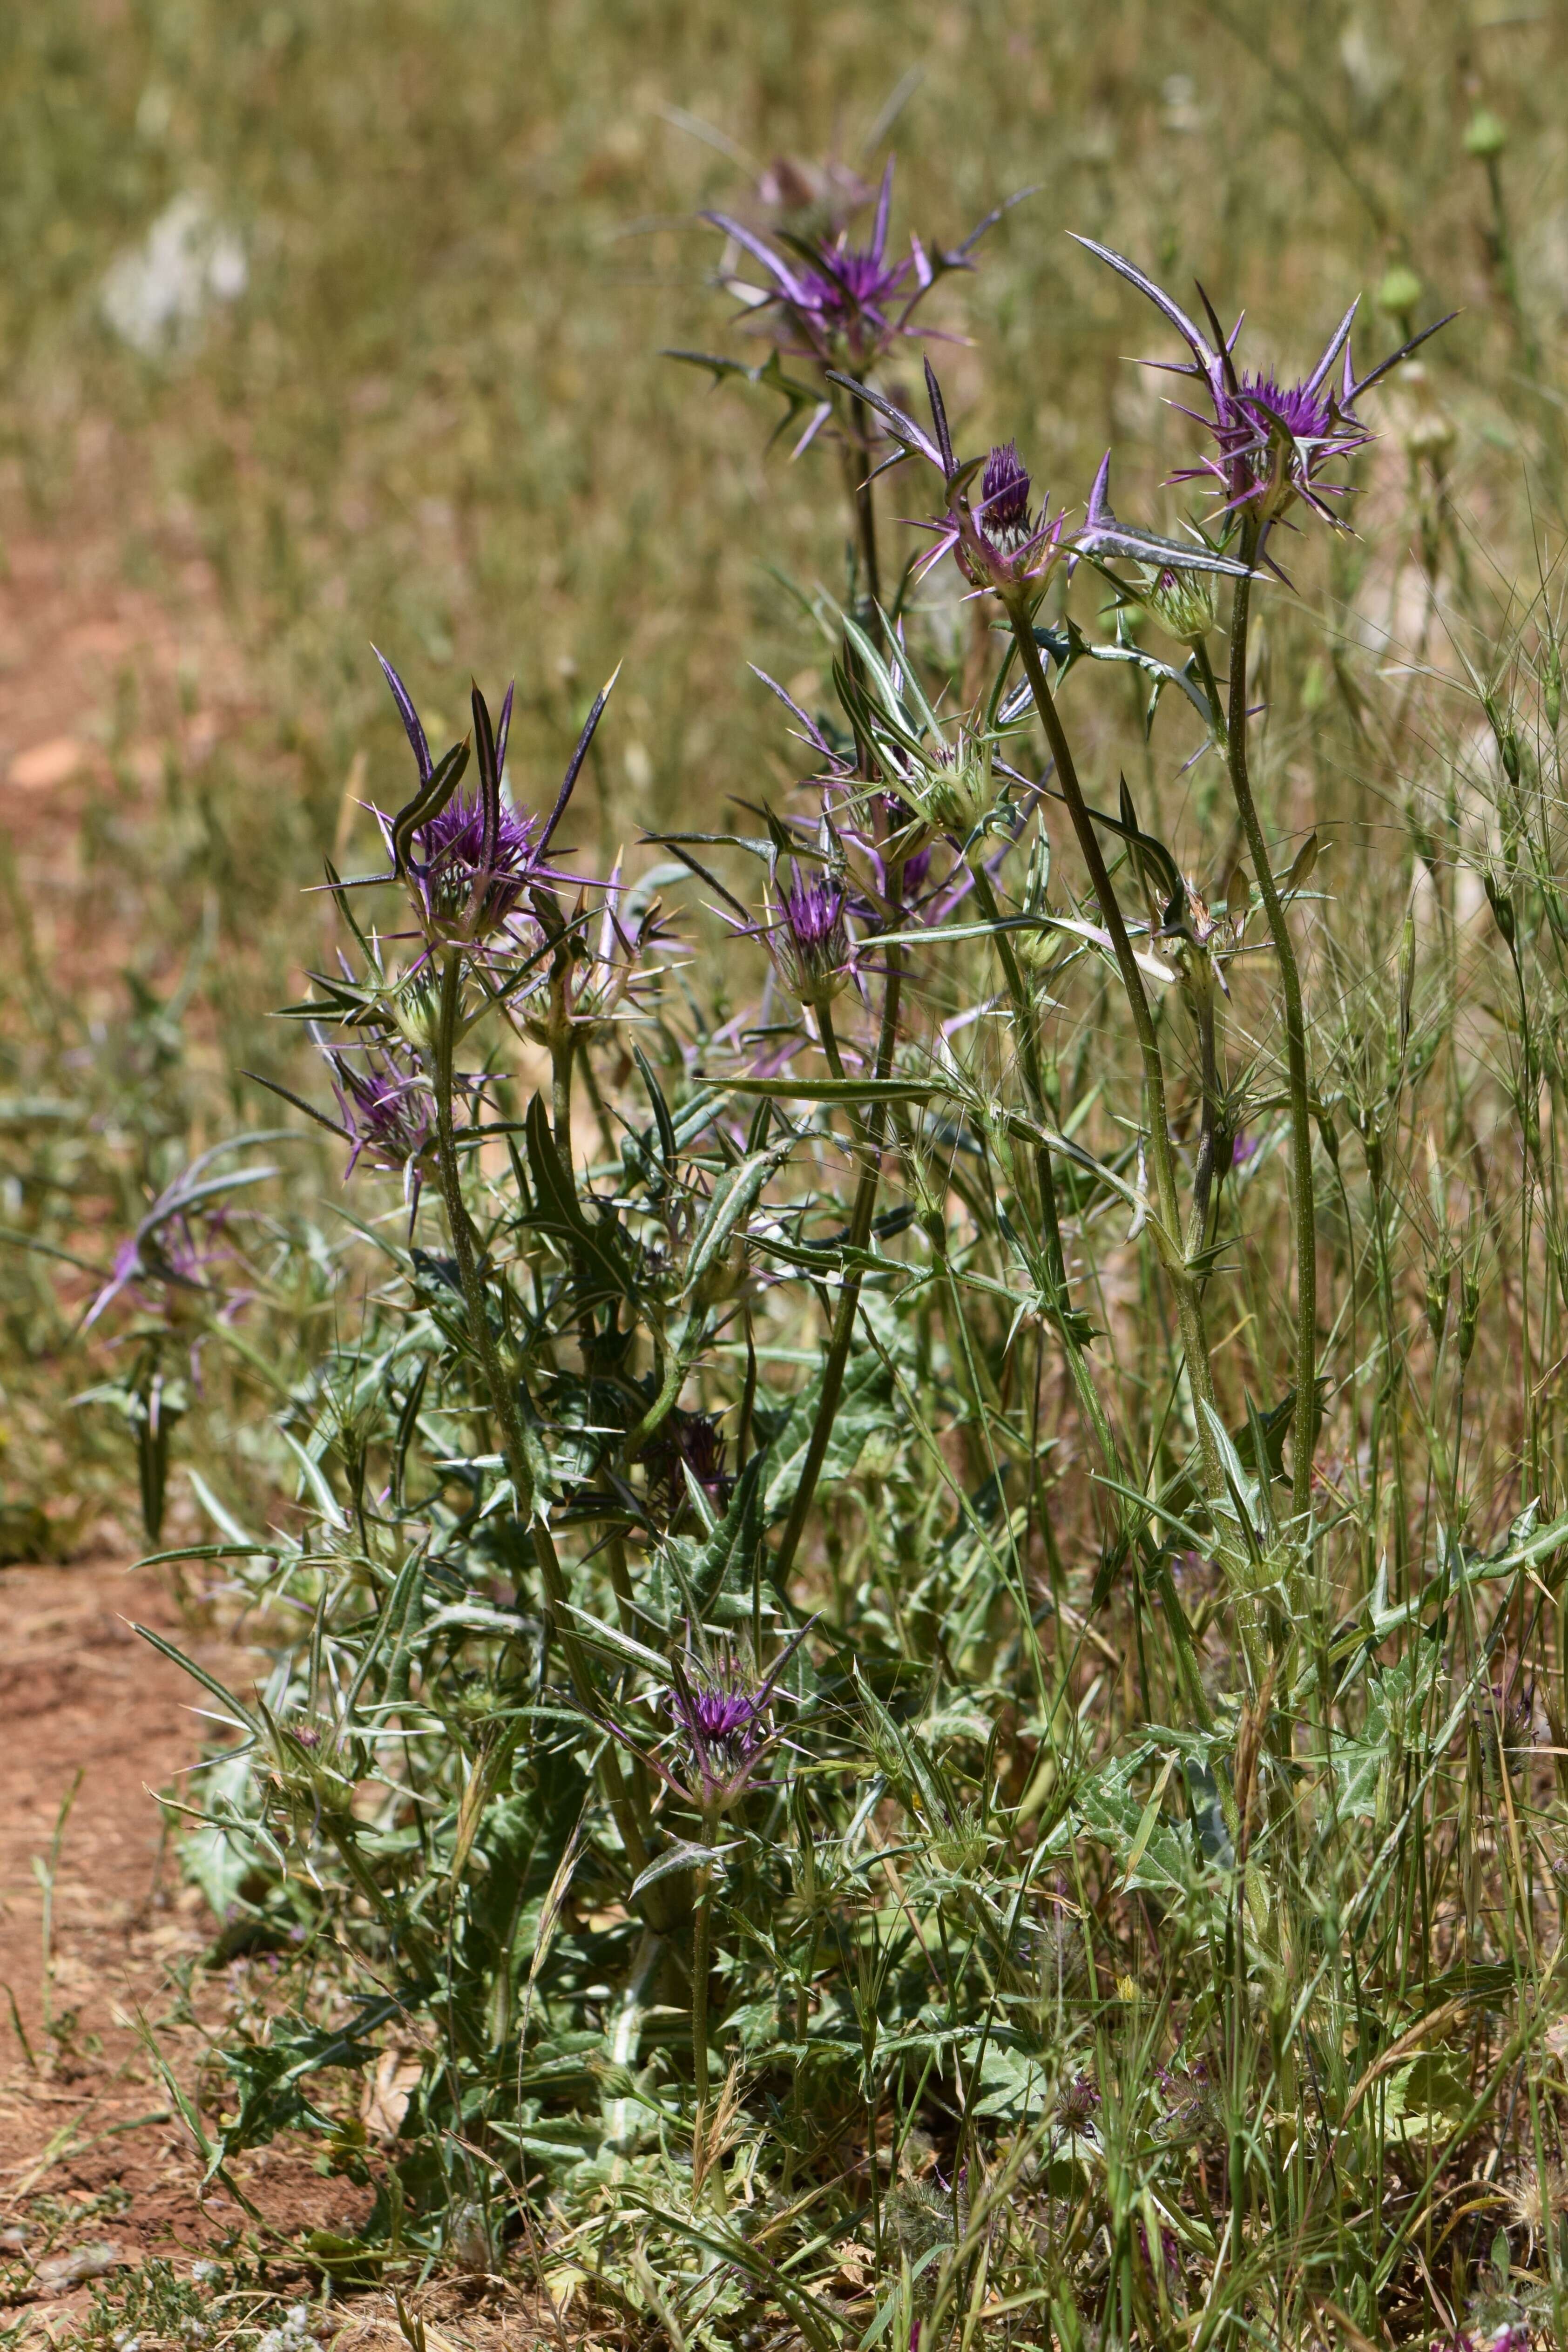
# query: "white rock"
x,y
155,294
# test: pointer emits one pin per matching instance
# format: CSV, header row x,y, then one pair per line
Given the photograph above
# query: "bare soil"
x,y
91,2148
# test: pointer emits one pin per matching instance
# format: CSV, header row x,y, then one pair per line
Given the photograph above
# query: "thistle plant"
x,y
828,1545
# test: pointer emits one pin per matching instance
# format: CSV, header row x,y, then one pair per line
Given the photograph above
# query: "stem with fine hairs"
x,y
1231,725
503,1404
1189,1300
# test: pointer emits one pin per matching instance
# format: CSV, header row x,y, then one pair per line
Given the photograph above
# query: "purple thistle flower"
x,y
1004,492
463,884
1188,2095
724,1719
810,943
1168,2250
841,304
1273,440
170,1259
469,860
722,1715
1004,551
387,1111
994,540
914,870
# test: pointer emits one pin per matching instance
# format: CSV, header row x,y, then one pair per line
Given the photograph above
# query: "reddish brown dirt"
x,y
89,2149
103,682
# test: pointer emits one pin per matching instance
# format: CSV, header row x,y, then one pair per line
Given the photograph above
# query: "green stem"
x,y
1189,1303
858,461
1077,1352
672,1369
563,1055
503,1403
1203,1168
1045,1177
1234,736
702,1934
849,1293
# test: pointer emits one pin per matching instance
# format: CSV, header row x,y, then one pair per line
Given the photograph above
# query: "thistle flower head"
x,y
166,1264
841,304
996,542
470,859
1274,441
721,1709
385,1107
810,940
1004,494
1075,2105
464,883
1170,2251
1182,601
167,1271
1189,2097
831,299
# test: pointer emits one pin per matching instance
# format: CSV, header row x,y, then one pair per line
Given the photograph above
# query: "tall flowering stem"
x,y
1274,445
701,1962
1089,1396
1231,727
1189,1301
504,1399
865,1206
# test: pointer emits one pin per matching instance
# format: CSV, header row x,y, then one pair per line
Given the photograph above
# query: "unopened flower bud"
x,y
995,543
1183,603
1399,292
1485,136
1004,492
957,790
1470,1309
1037,951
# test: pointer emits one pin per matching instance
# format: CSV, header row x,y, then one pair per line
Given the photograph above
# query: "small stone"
x,y
59,2273
44,765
